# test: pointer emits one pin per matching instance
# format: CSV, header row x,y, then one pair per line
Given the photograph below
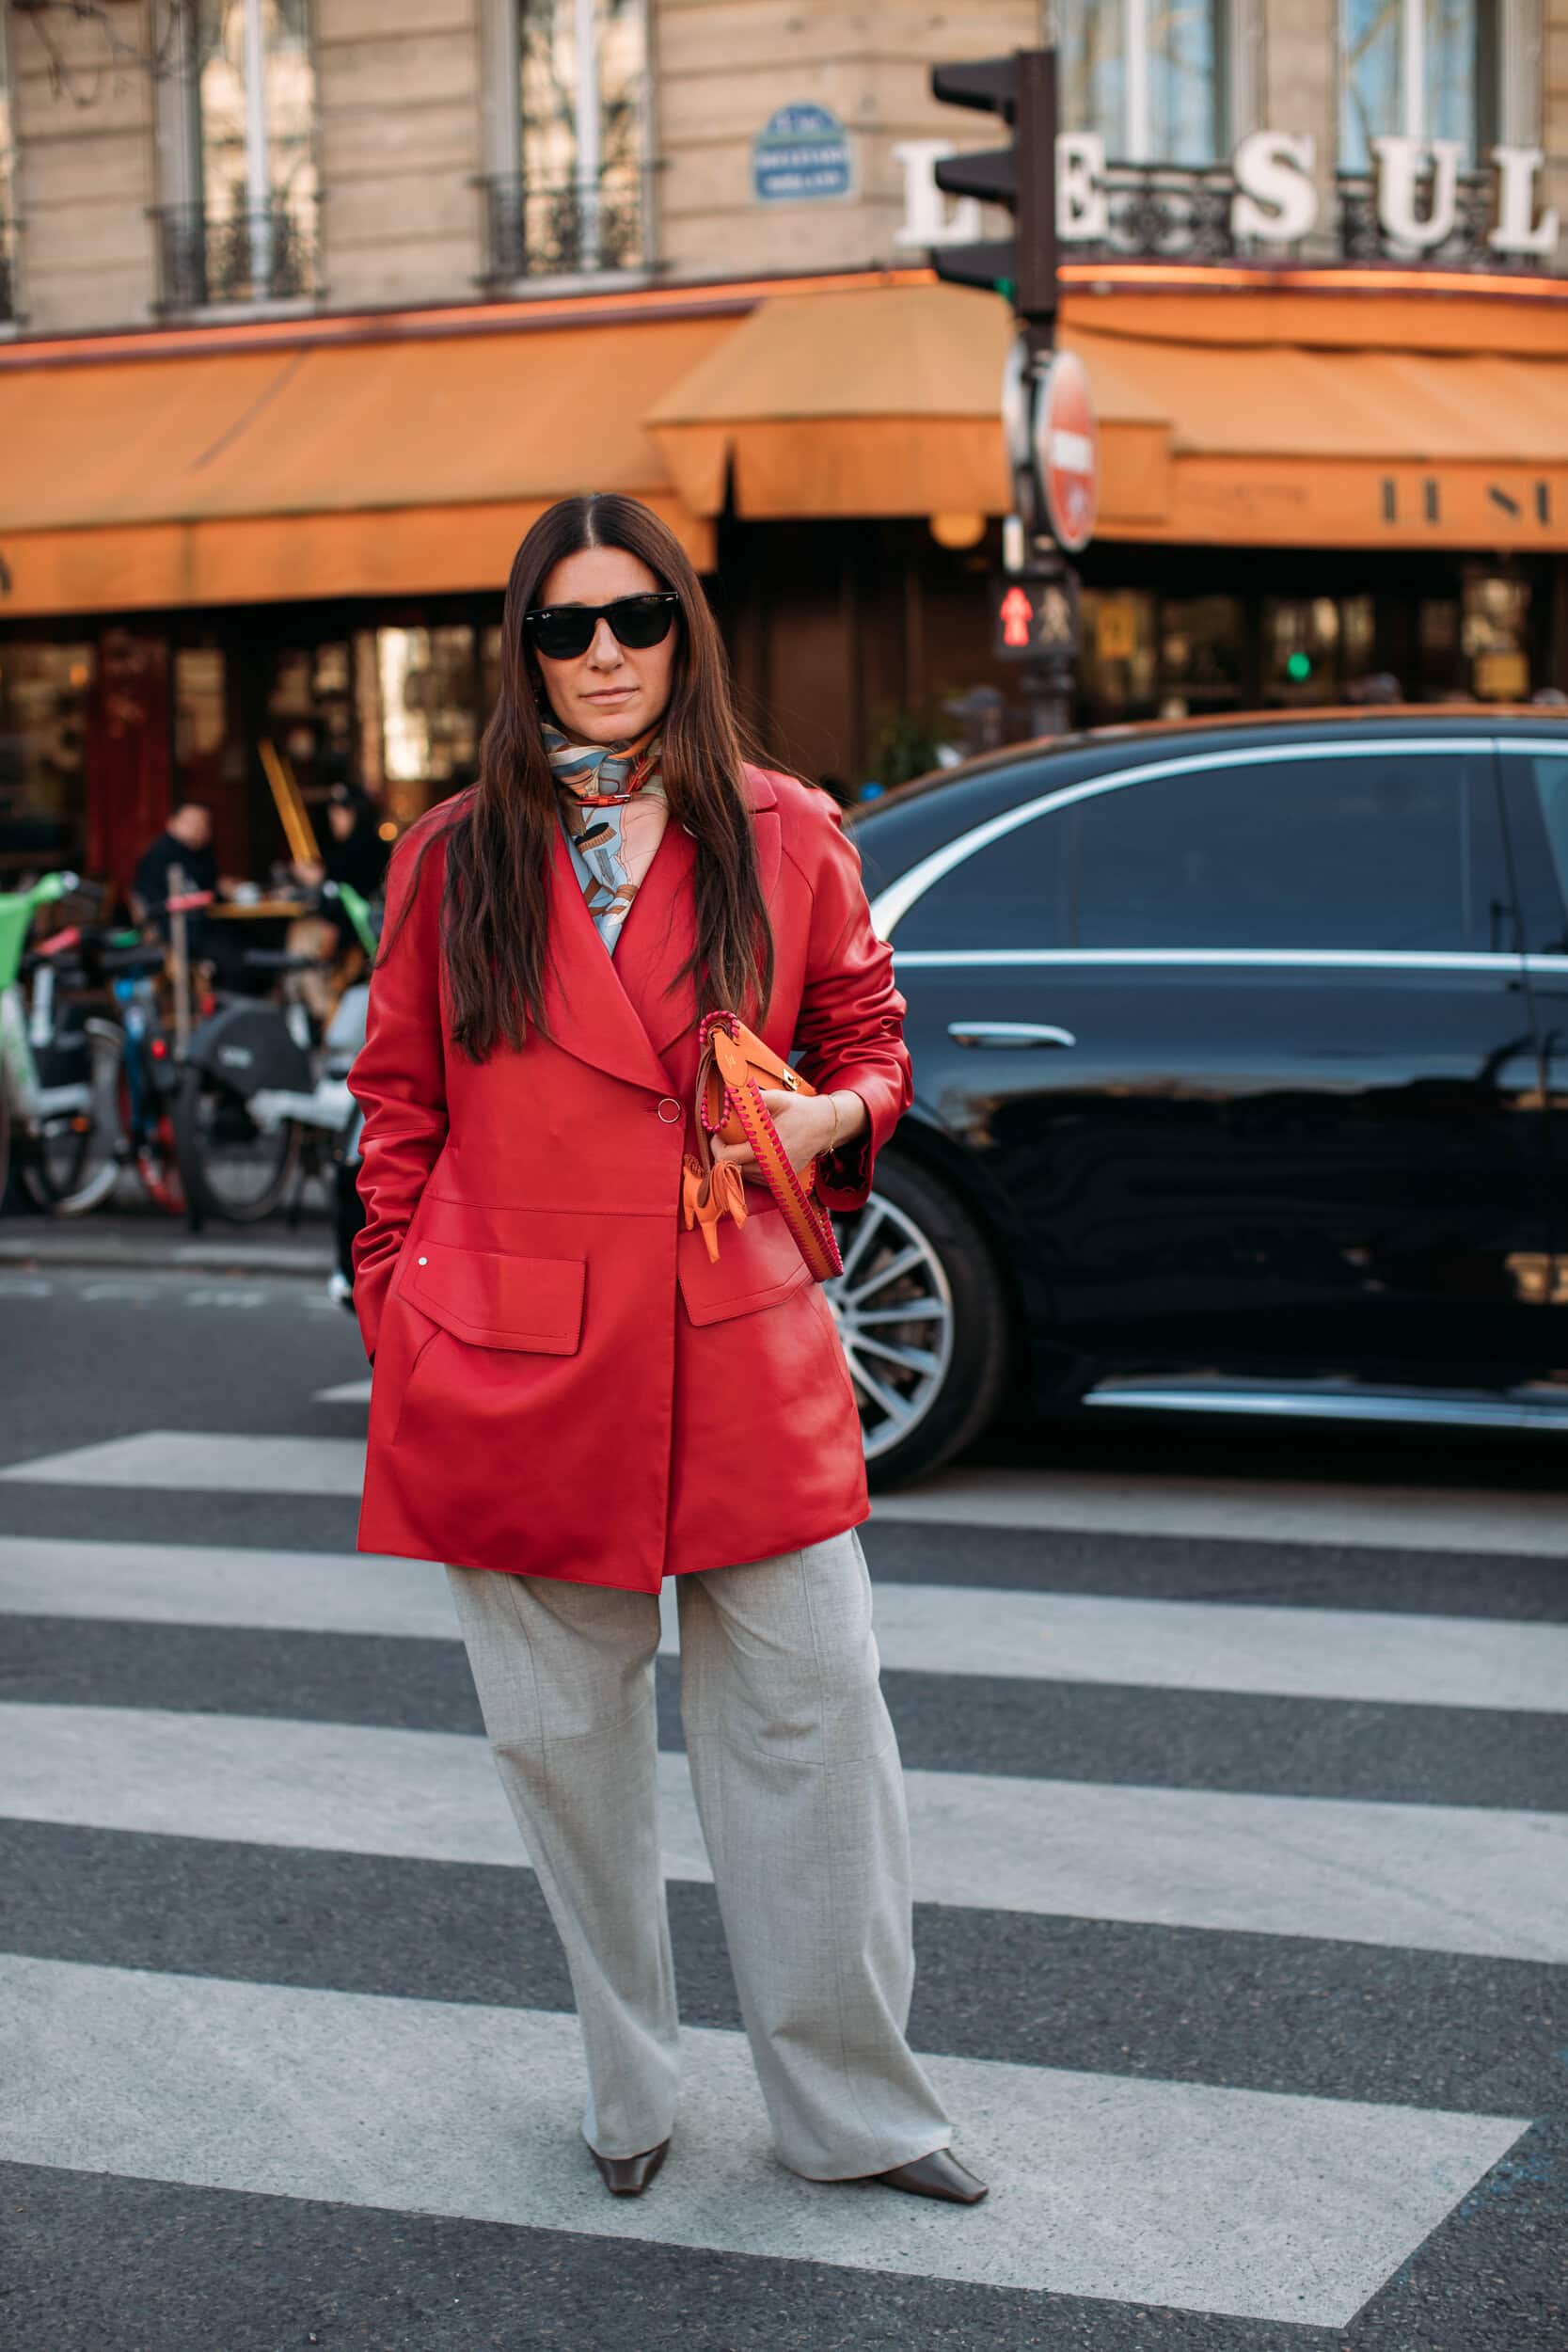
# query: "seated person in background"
x,y
186,842
354,853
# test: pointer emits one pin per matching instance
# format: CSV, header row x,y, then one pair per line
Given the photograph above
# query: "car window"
x,y
1364,851
1011,893
1547,772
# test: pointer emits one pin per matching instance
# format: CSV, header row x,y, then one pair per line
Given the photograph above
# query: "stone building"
x,y
307,307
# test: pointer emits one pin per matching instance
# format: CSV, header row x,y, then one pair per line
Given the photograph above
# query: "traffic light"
x,y
1022,89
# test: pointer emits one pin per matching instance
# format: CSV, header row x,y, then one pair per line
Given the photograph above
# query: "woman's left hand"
x,y
804,1122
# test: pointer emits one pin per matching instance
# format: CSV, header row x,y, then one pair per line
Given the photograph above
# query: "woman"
x,y
572,1400
354,853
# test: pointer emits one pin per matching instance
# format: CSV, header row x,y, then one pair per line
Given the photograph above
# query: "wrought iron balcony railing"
x,y
252,253
1363,238
555,227
1175,213
1165,212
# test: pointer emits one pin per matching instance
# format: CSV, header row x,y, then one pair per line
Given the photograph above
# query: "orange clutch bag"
x,y
733,1068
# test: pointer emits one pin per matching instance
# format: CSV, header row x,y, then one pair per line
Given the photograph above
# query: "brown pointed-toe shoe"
x,y
628,2176
939,2174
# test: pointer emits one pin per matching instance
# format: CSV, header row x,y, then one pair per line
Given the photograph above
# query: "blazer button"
x,y
668,1110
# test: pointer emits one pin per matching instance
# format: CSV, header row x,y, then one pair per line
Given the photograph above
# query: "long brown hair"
x,y
501,836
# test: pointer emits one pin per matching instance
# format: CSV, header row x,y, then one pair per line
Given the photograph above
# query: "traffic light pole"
x,y
1021,88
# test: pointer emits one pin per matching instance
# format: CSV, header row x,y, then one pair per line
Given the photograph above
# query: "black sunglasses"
x,y
566,630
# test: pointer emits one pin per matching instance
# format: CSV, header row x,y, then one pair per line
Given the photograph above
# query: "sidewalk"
x,y
152,1242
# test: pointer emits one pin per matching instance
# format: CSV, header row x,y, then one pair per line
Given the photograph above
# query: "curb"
x,y
61,1248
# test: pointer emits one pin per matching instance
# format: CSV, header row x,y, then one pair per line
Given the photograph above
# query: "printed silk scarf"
x,y
613,810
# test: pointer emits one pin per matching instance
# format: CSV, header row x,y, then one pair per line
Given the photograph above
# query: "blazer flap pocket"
x,y
492,1299
759,1263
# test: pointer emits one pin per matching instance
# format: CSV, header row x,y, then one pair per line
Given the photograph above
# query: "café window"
x,y
45,692
1425,70
237,157
569,137
1316,649
1149,76
416,695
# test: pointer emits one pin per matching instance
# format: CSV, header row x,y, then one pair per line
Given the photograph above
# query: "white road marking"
x,y
1435,1877
1265,2206
1276,1510
1392,1517
1365,1655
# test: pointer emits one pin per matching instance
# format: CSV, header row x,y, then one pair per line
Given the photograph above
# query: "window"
x,y
1011,893
237,130
1369,852
1540,824
1315,648
1416,69
419,735
1147,76
569,195
45,690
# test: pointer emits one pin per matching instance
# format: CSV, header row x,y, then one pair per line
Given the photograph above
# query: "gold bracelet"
x,y
833,1139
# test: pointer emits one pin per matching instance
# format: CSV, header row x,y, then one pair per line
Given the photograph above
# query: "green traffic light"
x,y
1298,666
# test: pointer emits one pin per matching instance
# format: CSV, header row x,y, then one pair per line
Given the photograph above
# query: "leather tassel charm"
x,y
707,1199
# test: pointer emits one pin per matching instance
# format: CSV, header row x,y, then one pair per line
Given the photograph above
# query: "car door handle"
x,y
1008,1033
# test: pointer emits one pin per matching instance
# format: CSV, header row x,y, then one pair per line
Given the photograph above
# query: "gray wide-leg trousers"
x,y
801,1795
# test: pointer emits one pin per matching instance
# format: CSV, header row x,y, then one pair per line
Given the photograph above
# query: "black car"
x,y
1236,1054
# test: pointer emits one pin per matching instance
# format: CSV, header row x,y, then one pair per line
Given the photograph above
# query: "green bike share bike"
x,y
81,1099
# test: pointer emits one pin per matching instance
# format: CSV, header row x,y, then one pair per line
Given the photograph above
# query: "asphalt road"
x,y
1238,1788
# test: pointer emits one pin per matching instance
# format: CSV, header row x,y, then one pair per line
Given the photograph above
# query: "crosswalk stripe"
x,y
1346,1655
1253,2203
198,1460
1389,1517
1437,1878
345,1392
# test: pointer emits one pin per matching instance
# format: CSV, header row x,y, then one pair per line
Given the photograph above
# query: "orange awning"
x,y
375,467
882,401
1312,420
1300,419
366,457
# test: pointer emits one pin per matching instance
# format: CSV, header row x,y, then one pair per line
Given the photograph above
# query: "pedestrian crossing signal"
x,y
1033,613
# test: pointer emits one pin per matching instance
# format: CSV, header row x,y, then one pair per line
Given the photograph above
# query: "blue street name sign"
x,y
801,153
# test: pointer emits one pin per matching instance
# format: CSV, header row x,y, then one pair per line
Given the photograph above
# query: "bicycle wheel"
x,y
229,1167
70,1166
152,1153
84,1177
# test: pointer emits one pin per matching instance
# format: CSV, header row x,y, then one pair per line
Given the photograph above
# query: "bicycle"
x,y
142,1073
260,1101
51,1076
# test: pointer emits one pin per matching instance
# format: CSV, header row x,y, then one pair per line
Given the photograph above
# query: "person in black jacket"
x,y
186,842
354,853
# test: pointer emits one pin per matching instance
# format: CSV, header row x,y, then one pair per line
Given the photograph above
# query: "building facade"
x,y
306,306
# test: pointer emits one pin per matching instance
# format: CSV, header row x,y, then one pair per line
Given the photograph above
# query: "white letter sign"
x,y
1276,200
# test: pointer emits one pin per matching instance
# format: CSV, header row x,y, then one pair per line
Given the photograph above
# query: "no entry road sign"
x,y
1066,451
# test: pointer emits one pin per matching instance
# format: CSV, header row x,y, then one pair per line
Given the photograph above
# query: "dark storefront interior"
x,y
849,643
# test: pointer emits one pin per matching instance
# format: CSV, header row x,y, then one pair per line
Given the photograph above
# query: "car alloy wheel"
x,y
893,1309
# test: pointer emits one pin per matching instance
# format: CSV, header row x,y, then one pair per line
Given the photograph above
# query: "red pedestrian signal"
x,y
1016,616
1034,612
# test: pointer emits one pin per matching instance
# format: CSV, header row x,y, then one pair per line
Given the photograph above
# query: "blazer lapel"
x,y
661,929
621,1013
588,1011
